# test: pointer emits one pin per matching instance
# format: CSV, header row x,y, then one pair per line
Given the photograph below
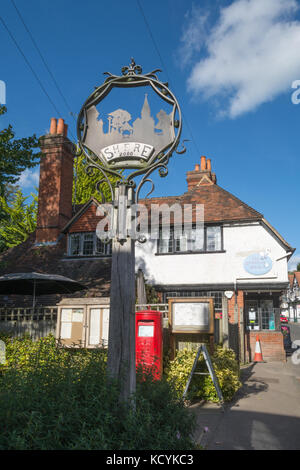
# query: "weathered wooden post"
x,y
121,352
113,145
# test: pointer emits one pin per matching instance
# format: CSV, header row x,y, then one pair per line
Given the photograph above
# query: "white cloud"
x,y
195,31
252,54
29,179
292,264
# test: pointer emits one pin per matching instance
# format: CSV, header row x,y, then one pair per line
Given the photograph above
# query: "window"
x,y
207,240
216,295
88,244
74,246
103,248
213,238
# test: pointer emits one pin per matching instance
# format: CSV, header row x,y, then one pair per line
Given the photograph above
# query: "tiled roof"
x,y
26,257
219,204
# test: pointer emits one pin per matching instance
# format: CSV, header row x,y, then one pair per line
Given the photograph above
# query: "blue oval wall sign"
x,y
258,264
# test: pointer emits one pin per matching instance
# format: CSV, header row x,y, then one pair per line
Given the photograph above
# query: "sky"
x,y
233,66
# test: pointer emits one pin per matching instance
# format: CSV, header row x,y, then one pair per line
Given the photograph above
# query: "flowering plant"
x,y
285,330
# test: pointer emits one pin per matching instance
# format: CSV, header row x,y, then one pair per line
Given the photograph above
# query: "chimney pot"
x,y
203,163
197,167
208,164
60,126
53,126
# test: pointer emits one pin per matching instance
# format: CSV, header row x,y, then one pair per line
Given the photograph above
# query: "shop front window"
x,y
261,315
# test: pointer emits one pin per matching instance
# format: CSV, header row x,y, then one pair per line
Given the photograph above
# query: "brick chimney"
x,y
201,175
56,181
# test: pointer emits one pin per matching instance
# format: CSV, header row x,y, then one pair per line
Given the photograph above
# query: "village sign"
x,y
117,145
111,143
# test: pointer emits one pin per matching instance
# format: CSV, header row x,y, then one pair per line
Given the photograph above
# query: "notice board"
x,y
83,322
191,315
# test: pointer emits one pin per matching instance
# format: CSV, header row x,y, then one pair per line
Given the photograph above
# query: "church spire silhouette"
x,y
146,113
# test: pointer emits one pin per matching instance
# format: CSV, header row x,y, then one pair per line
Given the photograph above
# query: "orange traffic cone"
x,y
258,354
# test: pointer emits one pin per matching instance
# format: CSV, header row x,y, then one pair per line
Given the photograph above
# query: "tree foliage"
x,y
84,185
16,155
17,216
18,219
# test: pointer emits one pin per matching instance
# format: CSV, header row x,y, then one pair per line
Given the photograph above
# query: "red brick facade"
x,y
236,300
87,222
271,343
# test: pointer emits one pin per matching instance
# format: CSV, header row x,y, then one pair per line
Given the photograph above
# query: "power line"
x,y
36,76
43,59
152,37
29,65
164,66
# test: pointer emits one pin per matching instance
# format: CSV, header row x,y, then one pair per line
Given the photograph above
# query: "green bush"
x,y
53,398
201,386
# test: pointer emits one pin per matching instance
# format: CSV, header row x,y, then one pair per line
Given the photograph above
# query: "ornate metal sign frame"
x,y
131,77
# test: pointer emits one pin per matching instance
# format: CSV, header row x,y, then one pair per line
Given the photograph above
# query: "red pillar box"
x,y
149,341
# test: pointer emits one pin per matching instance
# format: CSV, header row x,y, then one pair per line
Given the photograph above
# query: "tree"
x,y
84,185
16,155
298,267
19,219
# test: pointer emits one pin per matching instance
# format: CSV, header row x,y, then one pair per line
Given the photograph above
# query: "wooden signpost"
x,y
115,143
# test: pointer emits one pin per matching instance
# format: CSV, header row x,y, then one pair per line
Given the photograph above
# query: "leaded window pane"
x,y
74,244
195,239
213,238
88,244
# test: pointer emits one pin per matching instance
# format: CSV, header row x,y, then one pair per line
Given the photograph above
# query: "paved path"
x,y
265,414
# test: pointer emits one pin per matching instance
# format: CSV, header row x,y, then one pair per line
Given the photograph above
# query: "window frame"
x,y
172,242
106,252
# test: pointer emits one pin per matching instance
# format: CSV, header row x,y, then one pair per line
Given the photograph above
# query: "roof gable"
x,y
85,219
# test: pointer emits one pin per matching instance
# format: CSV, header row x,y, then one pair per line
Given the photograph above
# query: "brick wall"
x,y
55,186
236,299
271,343
87,222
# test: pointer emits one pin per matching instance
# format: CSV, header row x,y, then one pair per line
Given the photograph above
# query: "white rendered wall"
x,y
239,241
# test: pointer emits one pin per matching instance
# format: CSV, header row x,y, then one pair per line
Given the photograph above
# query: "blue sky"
x,y
231,65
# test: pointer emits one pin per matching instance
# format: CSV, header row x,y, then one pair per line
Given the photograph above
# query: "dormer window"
x,y
87,244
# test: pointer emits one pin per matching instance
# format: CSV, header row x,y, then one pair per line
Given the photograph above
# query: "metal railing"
x,y
164,308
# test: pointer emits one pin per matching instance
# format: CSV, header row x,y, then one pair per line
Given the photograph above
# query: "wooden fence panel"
x,y
35,323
